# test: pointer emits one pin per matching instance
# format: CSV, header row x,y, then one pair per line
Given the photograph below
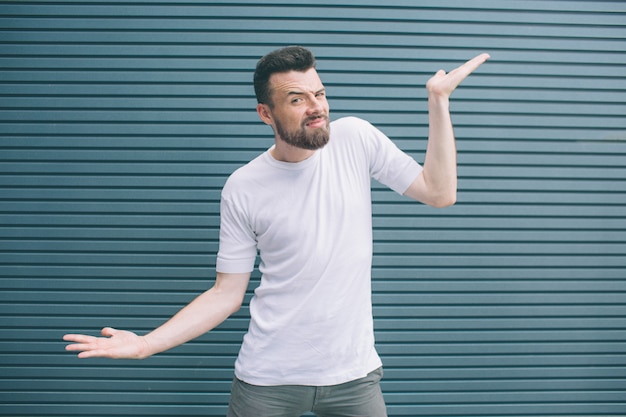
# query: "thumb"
x,y
109,331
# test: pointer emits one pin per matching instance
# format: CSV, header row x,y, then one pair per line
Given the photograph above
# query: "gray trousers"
x,y
359,398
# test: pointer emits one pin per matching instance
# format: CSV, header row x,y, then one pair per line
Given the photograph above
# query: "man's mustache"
x,y
315,117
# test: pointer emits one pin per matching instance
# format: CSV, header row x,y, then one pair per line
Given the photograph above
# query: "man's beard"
x,y
302,138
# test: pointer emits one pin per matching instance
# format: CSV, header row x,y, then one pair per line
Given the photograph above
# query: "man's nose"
x,y
315,106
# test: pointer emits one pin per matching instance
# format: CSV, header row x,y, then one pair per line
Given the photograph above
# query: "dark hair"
x,y
291,58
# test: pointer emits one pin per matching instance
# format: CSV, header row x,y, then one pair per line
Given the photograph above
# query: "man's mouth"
x,y
316,122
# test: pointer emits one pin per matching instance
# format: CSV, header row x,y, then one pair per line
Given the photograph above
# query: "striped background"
x,y
120,122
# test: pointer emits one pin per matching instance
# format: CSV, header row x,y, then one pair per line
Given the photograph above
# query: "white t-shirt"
x,y
311,316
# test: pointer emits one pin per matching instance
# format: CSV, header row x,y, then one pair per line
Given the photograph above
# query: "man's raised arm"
x,y
437,183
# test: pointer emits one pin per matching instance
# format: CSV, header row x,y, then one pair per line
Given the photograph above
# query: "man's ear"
x,y
265,114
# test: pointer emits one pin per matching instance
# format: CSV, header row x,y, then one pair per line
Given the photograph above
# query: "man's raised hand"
x,y
442,84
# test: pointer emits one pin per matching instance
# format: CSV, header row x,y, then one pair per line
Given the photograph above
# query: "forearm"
x,y
440,174
203,314
198,317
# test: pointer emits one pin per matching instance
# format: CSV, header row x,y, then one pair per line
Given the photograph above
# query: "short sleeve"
x,y
388,164
237,247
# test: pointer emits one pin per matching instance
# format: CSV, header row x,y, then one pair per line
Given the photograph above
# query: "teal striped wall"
x,y
120,122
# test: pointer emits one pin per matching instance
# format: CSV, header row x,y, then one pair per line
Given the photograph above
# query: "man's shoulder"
x,y
353,131
350,122
245,173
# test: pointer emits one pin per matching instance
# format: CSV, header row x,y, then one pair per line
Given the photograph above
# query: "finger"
x,y
81,342
457,75
79,346
471,65
88,350
78,338
93,354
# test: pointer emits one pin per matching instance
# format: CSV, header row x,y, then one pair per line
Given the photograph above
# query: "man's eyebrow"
x,y
298,92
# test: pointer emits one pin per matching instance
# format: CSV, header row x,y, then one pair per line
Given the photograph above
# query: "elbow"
x,y
437,194
227,303
236,302
229,291
443,200
235,306
232,304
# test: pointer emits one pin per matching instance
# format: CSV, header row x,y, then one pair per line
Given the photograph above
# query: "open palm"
x,y
443,84
115,344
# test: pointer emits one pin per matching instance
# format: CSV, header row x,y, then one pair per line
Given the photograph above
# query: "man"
x,y
305,206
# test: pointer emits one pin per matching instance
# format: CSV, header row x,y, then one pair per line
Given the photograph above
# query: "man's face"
x,y
299,109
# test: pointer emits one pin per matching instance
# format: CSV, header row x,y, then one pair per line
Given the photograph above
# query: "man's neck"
x,y
287,153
